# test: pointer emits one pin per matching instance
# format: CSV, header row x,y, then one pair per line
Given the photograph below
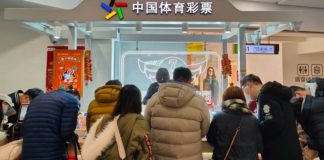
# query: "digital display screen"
x,y
260,49
23,112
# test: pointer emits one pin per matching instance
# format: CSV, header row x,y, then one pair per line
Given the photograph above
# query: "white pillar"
x,y
241,54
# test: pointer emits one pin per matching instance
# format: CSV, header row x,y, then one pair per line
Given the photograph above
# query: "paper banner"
x,y
68,69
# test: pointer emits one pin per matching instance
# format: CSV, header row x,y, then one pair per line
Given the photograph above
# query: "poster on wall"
x,y
140,68
68,69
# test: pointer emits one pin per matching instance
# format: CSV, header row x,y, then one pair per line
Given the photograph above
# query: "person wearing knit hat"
x,y
162,76
6,107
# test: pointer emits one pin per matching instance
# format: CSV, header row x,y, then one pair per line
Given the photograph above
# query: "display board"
x,y
140,68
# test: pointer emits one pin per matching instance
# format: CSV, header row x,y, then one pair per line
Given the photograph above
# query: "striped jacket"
x,y
50,122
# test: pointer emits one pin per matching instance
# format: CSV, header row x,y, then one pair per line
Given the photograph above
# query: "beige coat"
x,y
179,119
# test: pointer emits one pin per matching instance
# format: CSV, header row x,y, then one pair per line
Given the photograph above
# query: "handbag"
x,y
236,132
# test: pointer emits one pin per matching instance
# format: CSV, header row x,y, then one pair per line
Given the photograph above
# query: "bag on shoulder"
x,y
109,135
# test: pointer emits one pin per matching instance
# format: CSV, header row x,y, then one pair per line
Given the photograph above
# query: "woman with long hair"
x,y
211,83
162,76
122,135
234,133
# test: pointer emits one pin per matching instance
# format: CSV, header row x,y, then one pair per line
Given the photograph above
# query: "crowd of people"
x,y
284,123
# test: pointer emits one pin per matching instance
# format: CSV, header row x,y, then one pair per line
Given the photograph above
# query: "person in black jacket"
x,y
49,124
277,120
162,76
312,117
235,113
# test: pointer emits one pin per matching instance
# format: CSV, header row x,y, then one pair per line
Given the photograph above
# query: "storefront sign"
x,y
68,69
165,8
159,8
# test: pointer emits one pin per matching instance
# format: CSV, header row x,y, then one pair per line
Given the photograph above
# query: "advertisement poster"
x,y
68,69
140,67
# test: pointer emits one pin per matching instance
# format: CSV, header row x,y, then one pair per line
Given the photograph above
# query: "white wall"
x,y
267,67
291,59
23,55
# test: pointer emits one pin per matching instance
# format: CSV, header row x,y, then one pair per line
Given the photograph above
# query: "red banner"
x,y
50,66
68,69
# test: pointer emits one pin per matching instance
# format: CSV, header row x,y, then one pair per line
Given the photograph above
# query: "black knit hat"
x,y
33,92
162,75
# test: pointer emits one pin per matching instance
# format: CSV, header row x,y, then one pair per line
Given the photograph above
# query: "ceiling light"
x,y
139,27
89,28
57,32
185,28
227,28
263,29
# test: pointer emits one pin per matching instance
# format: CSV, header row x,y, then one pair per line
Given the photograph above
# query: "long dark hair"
x,y
129,101
162,75
214,74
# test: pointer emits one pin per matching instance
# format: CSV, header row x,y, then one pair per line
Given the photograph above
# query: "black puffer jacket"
x,y
278,123
312,119
249,141
50,122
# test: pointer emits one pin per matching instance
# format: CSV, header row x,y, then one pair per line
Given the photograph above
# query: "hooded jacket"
x,y
103,104
179,118
248,142
134,131
278,123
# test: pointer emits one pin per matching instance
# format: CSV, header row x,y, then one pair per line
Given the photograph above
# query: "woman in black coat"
x,y
235,113
162,76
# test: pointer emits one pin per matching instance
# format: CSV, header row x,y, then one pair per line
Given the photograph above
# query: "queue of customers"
x,y
174,122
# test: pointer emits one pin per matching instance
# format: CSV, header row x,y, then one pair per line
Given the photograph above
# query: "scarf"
x,y
236,105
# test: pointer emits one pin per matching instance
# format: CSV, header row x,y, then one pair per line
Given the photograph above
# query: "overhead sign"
x,y
158,8
178,8
259,49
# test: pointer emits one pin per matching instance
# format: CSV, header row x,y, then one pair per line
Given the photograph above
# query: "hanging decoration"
x,y
50,66
226,65
88,67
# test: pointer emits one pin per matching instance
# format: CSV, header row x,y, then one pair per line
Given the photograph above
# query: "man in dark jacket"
x,y
312,117
49,124
277,119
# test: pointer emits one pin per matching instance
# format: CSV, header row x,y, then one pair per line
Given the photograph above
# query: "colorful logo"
x,y
111,12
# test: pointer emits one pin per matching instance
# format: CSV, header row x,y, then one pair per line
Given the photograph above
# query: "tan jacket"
x,y
179,119
103,104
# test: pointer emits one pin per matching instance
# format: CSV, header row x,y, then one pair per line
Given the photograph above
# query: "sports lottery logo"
x,y
111,12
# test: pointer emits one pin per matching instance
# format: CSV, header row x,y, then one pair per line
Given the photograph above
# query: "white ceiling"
x,y
301,3
18,4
